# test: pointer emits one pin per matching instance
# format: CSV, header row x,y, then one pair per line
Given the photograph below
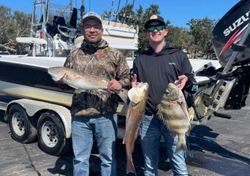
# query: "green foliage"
x,y
127,15
201,30
196,40
107,14
179,37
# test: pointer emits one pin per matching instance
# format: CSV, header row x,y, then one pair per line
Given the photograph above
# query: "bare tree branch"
x,y
7,48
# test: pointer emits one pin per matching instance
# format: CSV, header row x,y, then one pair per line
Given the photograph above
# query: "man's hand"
x,y
114,85
134,82
181,82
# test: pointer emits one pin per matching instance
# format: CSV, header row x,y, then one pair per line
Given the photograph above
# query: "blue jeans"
x,y
104,129
150,132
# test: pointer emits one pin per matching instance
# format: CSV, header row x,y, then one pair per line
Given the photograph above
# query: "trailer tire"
x,y
51,134
21,127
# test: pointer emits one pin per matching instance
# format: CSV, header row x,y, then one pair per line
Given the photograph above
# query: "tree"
x,y
13,25
196,40
126,14
107,14
5,21
179,37
201,30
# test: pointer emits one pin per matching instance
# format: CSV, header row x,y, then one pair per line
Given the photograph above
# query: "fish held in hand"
x,y
138,98
76,80
81,82
172,110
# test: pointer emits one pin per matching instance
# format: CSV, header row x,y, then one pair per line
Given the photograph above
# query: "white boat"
x,y
25,76
36,105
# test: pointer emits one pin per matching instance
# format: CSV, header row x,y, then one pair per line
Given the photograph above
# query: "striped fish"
x,y
172,110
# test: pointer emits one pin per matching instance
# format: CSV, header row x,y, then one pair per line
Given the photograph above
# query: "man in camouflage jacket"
x,y
94,111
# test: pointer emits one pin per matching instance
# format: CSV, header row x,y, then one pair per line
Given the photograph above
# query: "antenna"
x,y
70,7
89,5
118,8
125,15
111,12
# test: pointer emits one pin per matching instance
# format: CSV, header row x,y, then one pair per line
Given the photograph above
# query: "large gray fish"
x,y
138,97
81,82
172,110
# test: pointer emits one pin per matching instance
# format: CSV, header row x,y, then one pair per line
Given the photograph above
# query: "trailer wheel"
x,y
51,134
20,125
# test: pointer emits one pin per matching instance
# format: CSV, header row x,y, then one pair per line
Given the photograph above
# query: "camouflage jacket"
x,y
100,60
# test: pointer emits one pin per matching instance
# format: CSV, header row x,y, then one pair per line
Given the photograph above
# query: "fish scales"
x,y
76,79
82,82
172,110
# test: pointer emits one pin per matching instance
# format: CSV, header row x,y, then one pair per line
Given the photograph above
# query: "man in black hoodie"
x,y
158,66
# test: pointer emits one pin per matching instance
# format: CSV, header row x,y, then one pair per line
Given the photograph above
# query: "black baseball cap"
x,y
155,20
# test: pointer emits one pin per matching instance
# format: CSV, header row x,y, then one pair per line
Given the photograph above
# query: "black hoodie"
x,y
159,69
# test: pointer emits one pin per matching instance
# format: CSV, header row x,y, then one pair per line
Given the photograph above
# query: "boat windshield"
x,y
61,11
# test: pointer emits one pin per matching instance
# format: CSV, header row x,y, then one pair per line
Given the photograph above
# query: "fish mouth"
x,y
144,86
136,94
54,76
167,91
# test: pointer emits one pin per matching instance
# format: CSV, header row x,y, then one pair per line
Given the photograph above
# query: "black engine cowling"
x,y
229,30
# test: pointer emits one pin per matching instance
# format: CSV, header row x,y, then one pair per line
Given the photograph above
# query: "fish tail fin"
x,y
181,145
123,94
130,168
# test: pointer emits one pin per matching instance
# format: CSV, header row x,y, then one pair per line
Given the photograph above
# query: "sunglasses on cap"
x,y
152,28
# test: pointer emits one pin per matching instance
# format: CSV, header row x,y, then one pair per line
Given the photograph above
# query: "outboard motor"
x,y
231,42
229,87
229,31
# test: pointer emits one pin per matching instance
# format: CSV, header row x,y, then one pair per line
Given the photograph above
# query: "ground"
x,y
219,147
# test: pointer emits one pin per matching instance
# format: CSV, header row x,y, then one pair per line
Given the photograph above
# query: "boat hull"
x,y
26,77
22,91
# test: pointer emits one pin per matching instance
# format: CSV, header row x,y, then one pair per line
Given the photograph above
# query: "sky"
x,y
178,12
